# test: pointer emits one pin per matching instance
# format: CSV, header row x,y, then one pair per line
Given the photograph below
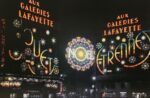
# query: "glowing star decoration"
x,y
143,37
146,47
103,39
50,50
112,41
46,62
17,23
123,62
28,51
132,59
112,47
104,50
141,56
34,30
43,42
118,69
130,35
47,32
80,54
118,38
145,66
53,40
16,53
38,66
98,45
124,40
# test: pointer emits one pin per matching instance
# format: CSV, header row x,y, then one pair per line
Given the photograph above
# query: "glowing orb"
x,y
80,54
118,38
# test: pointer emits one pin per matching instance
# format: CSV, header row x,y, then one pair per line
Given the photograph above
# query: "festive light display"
x,y
32,12
80,54
17,23
128,49
145,66
35,54
125,51
47,32
35,58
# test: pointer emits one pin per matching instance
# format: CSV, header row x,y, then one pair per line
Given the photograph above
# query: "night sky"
x,y
85,18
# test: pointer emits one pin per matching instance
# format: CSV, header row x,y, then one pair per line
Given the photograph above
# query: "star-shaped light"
x,y
130,35
47,32
103,39
143,37
104,50
53,40
124,40
46,62
118,38
123,62
141,56
34,30
146,47
112,41
17,23
50,50
132,59
145,66
99,45
16,53
39,66
43,42
117,69
112,47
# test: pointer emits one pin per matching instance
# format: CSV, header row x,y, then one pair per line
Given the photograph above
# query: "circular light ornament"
x,y
80,54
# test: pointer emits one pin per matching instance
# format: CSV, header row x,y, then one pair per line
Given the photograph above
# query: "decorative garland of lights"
x,y
80,54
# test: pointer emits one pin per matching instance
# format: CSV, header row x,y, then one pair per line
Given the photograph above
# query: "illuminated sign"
x,y
80,54
129,50
35,57
31,11
123,24
36,54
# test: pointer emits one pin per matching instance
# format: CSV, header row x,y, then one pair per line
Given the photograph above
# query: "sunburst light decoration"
x,y
80,53
17,23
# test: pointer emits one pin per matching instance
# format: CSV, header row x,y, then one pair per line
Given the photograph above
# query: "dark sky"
x,y
85,18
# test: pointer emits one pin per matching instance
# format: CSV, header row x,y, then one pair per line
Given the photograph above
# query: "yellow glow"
x,y
80,54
